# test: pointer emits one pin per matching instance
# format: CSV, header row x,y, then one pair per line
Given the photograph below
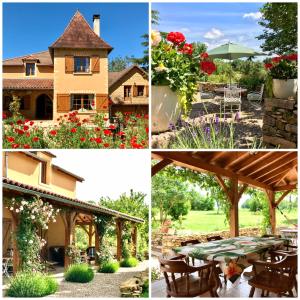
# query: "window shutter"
x,y
26,100
63,103
134,91
101,102
69,64
146,90
95,63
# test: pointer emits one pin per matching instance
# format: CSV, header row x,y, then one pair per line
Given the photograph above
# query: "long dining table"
x,y
232,254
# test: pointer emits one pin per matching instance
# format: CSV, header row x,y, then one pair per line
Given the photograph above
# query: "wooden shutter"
x,y
26,100
146,90
63,103
95,64
101,102
134,91
69,64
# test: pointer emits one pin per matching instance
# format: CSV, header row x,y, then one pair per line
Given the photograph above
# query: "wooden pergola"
x,y
270,171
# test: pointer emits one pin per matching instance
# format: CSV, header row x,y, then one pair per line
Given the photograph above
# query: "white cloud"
x,y
213,34
252,15
185,30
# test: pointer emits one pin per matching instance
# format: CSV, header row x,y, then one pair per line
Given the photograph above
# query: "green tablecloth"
x,y
232,254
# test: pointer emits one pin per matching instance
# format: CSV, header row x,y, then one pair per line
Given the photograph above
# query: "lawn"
x,y
207,221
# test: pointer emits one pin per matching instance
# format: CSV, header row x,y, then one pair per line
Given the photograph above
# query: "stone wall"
x,y
169,241
210,87
280,123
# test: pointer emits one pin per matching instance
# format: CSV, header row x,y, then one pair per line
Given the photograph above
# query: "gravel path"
x,y
103,285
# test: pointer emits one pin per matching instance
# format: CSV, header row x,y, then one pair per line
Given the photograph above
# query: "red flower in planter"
x,y
10,139
82,139
73,130
204,55
106,145
53,132
35,139
208,67
175,38
15,146
26,146
268,66
277,59
187,49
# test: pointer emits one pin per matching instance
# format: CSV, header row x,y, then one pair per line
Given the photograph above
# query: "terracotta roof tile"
x,y
43,59
25,84
79,34
86,205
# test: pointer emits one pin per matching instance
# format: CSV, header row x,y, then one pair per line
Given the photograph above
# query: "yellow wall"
x,y
132,78
26,170
96,83
56,233
18,72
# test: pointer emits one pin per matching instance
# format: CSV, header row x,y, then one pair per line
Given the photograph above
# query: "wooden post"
x,y
119,227
234,209
16,258
272,208
97,240
134,240
91,235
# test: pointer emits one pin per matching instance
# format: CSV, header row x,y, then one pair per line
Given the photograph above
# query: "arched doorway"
x,y
44,108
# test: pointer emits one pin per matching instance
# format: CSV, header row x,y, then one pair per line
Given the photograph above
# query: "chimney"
x,y
96,22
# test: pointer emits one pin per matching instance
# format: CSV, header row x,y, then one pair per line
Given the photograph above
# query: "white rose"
x,y
11,208
30,242
32,217
21,208
17,210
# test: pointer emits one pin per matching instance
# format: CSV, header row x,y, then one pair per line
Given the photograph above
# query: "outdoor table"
x,y
233,254
6,261
290,234
222,90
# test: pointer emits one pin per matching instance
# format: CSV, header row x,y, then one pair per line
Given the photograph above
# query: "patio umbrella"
x,y
232,51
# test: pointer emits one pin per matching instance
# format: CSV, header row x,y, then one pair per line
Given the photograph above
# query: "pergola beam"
x,y
282,197
285,187
160,165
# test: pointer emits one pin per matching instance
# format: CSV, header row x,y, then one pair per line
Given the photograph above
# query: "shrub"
x,y
31,285
79,273
145,289
129,262
109,267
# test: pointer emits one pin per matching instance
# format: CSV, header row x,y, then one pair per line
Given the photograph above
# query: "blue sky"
x,y
212,23
33,27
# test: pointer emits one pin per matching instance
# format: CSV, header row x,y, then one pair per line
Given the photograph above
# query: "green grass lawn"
x,y
207,221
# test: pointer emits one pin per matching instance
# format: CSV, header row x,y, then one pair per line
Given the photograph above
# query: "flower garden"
x,y
129,131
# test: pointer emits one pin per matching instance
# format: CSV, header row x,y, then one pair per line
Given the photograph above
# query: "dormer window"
x,y
82,64
43,172
30,69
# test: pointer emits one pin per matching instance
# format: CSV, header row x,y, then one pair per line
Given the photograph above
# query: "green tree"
x,y
155,17
143,61
280,23
119,63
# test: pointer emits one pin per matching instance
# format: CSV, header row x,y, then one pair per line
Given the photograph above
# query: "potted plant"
x,y
283,71
176,73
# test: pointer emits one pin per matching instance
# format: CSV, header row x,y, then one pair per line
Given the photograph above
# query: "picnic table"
x,y
232,254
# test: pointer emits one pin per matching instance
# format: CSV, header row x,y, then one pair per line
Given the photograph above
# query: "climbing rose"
x,y
187,49
204,55
175,38
208,67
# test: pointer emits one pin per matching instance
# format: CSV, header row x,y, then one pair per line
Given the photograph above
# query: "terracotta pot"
x,y
165,108
284,88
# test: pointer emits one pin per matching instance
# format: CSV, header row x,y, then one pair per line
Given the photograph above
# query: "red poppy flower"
x,y
25,127
175,38
4,116
147,129
53,132
73,130
293,56
120,133
92,139
10,139
31,123
15,146
276,59
105,119
82,139
28,134
79,124
204,55
122,146
19,122
20,131
98,140
268,66
35,139
107,132
112,127
97,129
208,67
187,49
106,145
26,146
26,121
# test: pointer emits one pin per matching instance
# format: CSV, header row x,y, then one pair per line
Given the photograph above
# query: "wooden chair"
x,y
187,243
277,236
188,281
277,277
214,238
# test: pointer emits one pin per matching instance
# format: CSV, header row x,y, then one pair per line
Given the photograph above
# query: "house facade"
x,y
29,174
72,75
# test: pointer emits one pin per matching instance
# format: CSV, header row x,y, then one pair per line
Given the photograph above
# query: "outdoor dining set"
x,y
198,268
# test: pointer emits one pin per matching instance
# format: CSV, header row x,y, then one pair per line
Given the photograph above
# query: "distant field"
x,y
207,221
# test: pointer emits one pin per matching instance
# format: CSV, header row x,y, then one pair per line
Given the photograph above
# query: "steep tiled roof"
x,y
43,59
25,84
14,185
113,77
79,34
